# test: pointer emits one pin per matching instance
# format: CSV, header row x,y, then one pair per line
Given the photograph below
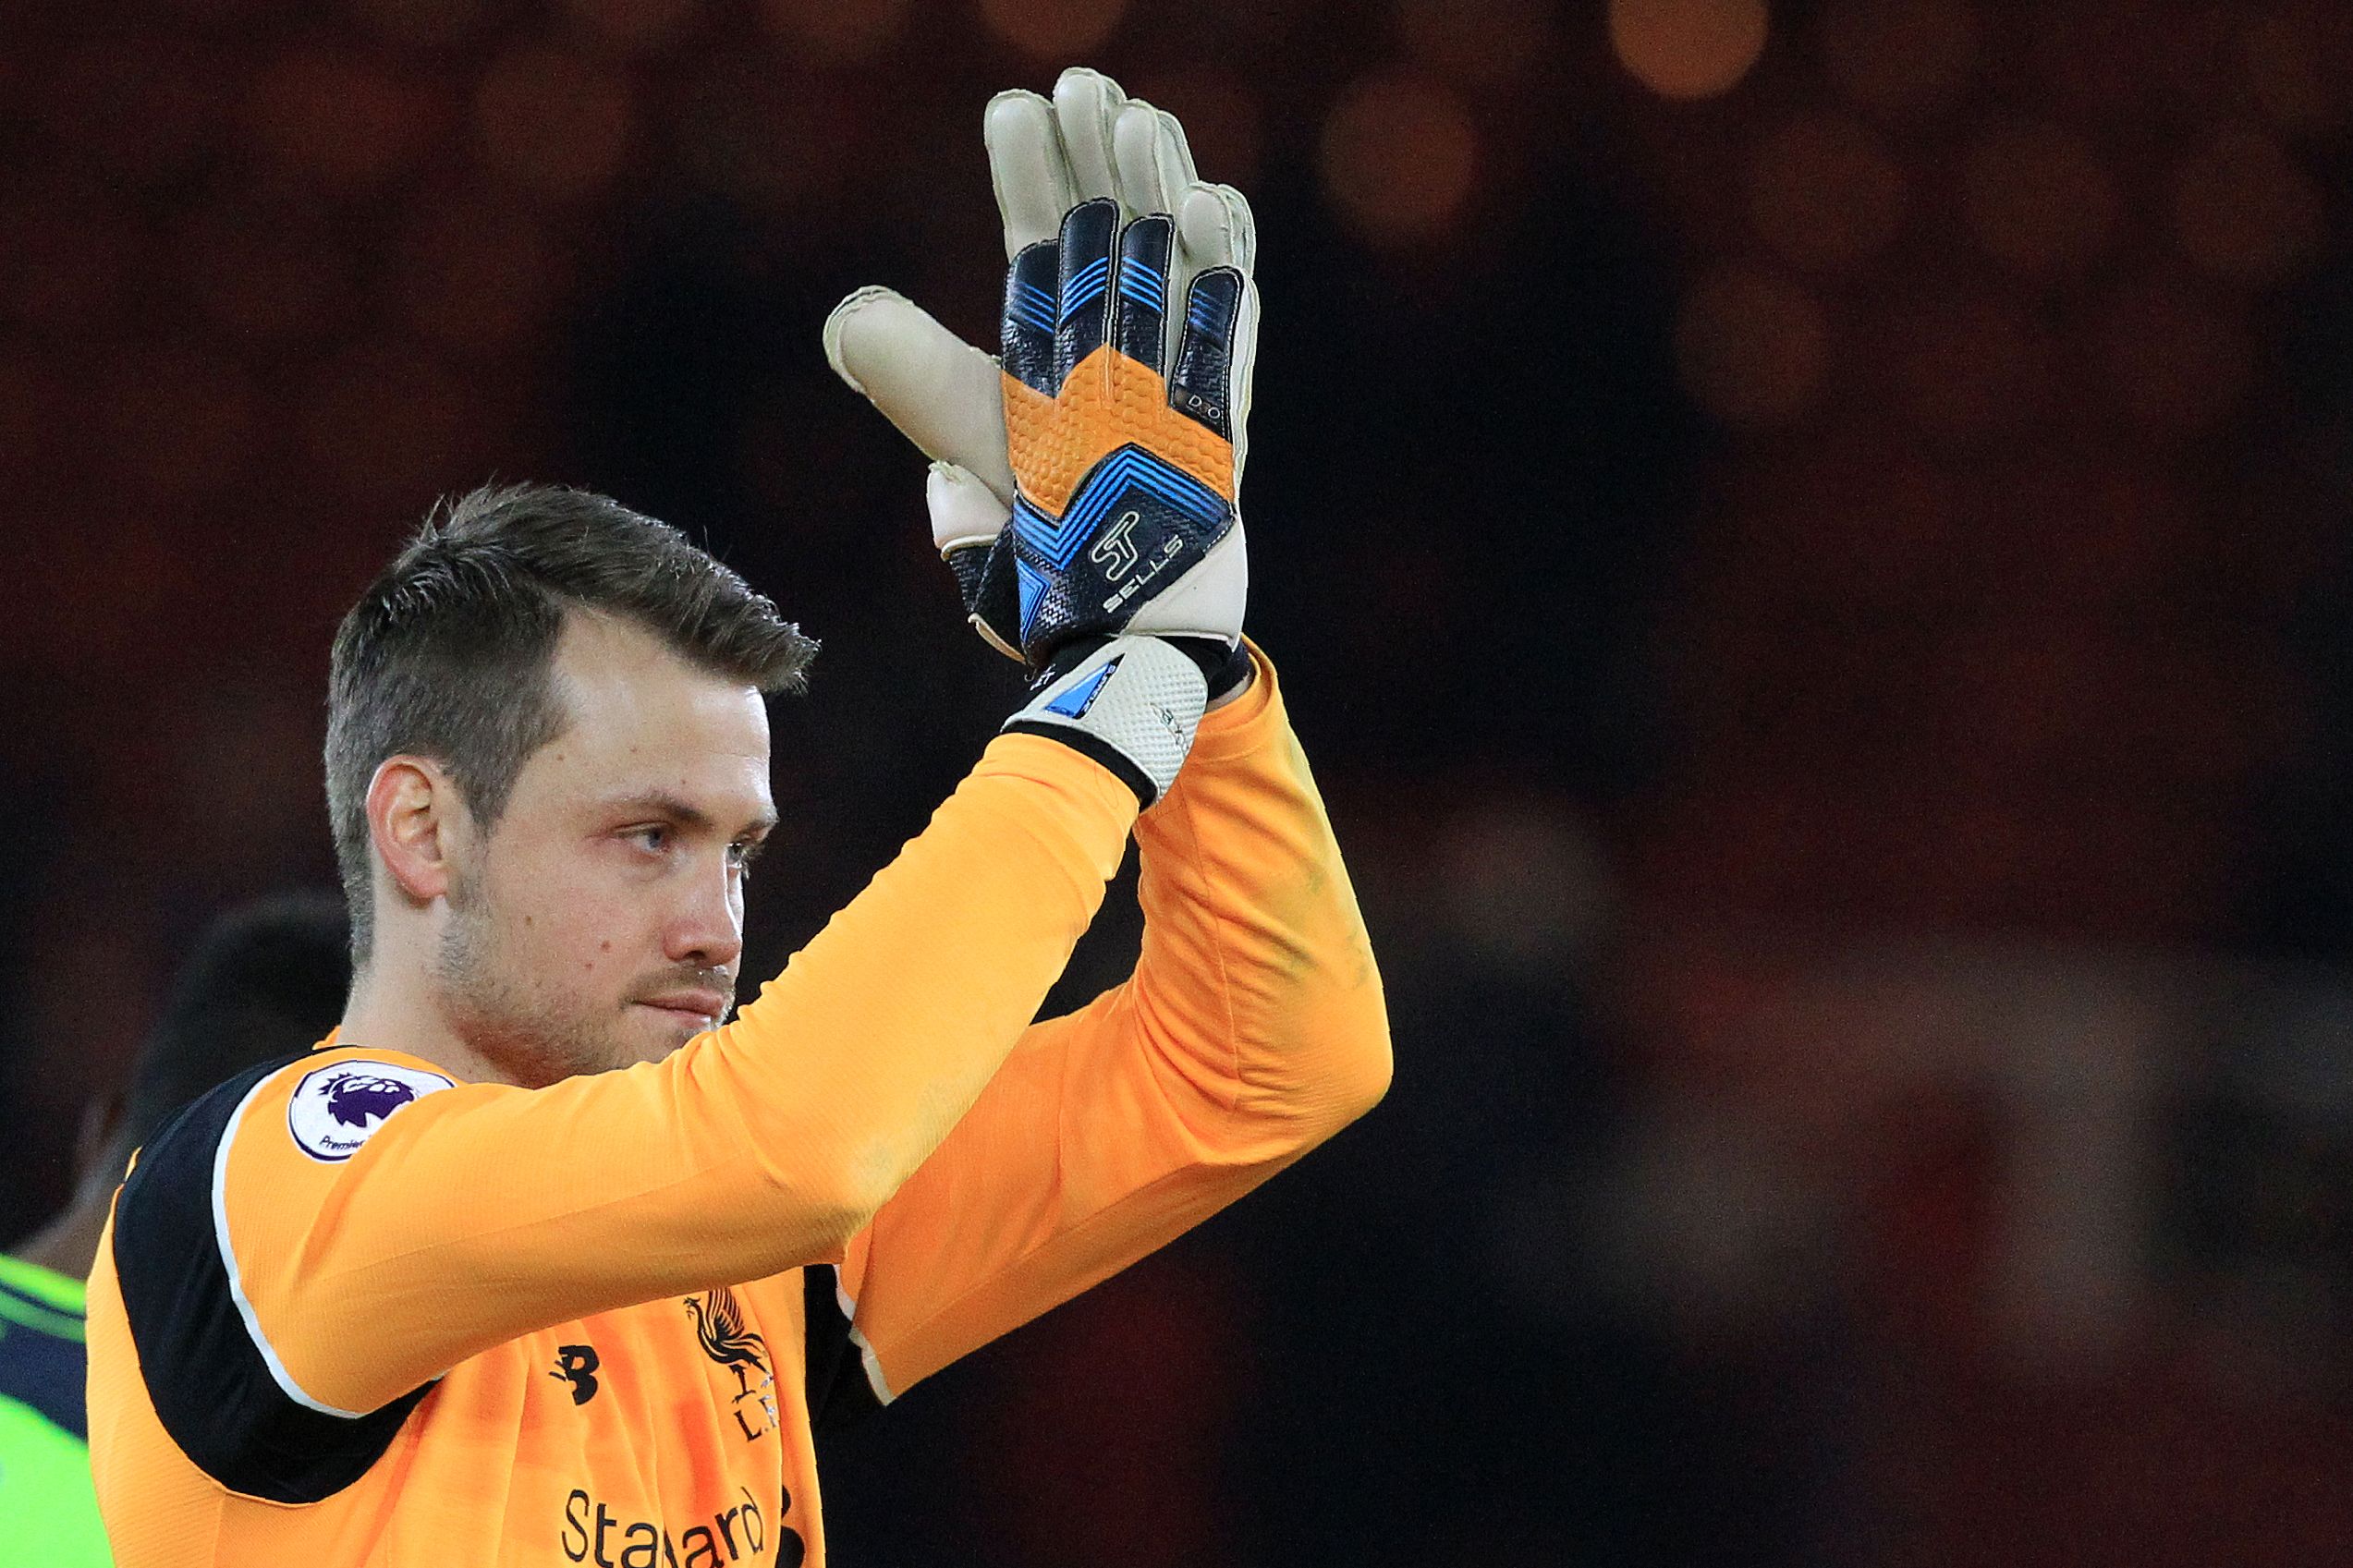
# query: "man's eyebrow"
x,y
662,803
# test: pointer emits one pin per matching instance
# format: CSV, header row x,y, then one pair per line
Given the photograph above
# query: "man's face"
x,y
600,922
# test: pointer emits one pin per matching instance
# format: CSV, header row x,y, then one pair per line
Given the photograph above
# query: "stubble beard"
x,y
530,1039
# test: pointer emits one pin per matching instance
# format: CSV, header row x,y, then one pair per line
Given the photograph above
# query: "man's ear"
x,y
416,819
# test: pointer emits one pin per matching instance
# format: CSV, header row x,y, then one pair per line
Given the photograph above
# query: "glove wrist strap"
x,y
1132,703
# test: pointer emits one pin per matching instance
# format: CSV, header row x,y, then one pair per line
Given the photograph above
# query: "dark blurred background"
x,y
1806,542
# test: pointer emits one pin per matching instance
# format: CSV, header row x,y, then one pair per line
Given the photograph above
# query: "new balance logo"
x,y
1115,551
577,1364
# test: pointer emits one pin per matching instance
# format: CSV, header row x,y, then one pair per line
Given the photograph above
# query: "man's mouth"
x,y
702,1008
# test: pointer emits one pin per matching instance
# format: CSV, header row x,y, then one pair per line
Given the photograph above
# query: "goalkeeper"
x,y
542,1257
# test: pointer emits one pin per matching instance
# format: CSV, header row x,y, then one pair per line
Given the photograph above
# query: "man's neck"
x,y
69,1244
392,1009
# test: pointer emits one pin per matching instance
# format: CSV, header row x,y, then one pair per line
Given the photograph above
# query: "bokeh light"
x,y
2243,211
553,121
1752,346
424,24
1899,57
1687,48
2038,197
223,13
1825,192
1480,41
1398,155
1053,30
340,118
2107,62
629,26
2299,63
833,33
2099,56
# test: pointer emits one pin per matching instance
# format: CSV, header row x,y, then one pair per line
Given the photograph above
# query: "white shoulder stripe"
x,y
286,1385
865,1351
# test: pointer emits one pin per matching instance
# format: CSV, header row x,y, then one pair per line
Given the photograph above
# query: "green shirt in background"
x,y
48,1513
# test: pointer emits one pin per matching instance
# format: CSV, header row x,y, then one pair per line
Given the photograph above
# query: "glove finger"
x,y
1032,289
1244,355
1175,154
1088,234
1139,311
964,510
965,520
1155,168
1243,227
1086,106
1201,386
1139,161
1027,167
1214,226
942,393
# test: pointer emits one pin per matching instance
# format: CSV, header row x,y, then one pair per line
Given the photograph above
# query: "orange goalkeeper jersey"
x,y
350,1311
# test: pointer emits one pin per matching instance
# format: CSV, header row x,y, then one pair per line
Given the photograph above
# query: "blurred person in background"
x,y
540,1258
264,984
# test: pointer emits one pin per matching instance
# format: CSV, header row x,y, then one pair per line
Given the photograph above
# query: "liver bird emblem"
x,y
718,1323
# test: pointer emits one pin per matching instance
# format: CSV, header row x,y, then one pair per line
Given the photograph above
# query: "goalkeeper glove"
x,y
1114,435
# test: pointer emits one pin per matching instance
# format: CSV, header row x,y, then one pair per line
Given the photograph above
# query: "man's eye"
x,y
742,854
655,838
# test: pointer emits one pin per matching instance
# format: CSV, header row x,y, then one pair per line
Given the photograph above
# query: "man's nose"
x,y
707,927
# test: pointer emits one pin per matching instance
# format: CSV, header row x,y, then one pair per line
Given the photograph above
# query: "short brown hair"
x,y
449,653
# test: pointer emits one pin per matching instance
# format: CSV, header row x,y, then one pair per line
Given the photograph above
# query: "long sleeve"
x,y
476,1212
1252,1029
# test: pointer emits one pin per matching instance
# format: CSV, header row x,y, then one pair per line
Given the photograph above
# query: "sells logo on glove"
x,y
1116,551
1170,548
